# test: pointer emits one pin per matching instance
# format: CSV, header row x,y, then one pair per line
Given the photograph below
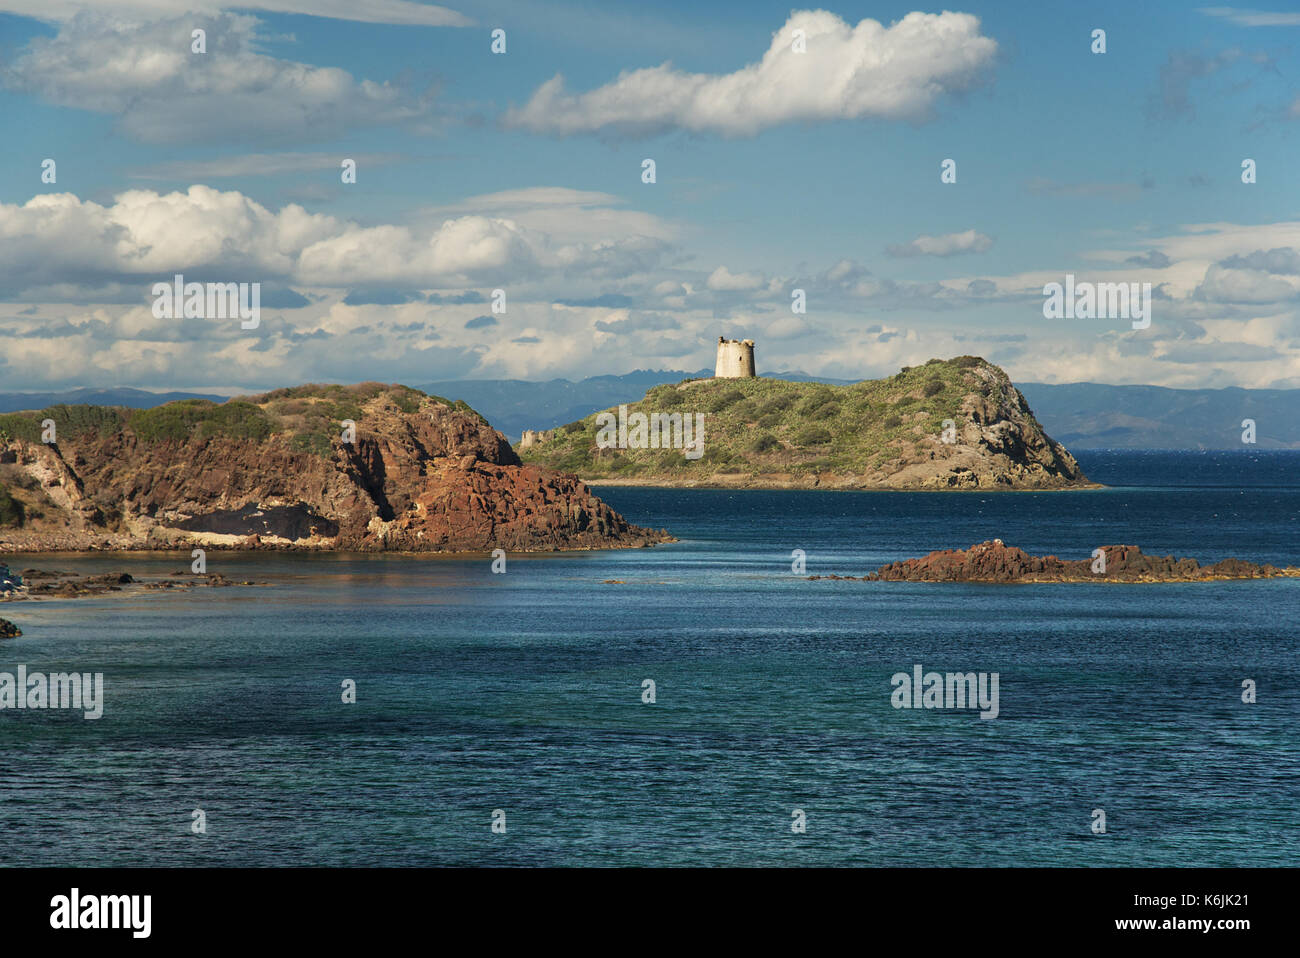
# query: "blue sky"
x,y
775,171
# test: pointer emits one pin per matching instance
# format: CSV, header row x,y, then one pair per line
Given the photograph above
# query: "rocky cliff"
x,y
950,424
281,470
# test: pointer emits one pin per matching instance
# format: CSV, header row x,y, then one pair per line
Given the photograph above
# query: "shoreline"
x,y
183,554
1084,486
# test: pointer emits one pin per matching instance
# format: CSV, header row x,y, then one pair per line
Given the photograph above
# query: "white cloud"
x,y
1253,18
60,238
584,216
723,280
1226,285
949,244
160,92
894,72
400,12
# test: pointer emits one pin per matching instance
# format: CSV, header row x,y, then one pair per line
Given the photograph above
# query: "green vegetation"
x,y
201,419
776,426
310,416
69,421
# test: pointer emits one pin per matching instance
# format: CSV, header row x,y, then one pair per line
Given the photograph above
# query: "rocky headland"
x,y
956,424
360,468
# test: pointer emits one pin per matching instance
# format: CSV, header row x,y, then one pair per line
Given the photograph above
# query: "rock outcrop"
x,y
996,562
281,470
8,630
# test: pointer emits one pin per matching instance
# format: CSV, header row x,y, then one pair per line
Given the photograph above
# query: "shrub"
x,y
828,411
933,387
779,403
315,441
668,397
967,362
725,399
765,443
813,436
11,510
815,401
81,419
26,426
201,418
407,400
892,422
769,421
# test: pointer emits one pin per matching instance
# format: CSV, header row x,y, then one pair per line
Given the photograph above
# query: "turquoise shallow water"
x,y
522,692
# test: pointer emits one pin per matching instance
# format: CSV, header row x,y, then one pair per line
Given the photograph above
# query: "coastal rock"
x,y
994,561
8,630
420,474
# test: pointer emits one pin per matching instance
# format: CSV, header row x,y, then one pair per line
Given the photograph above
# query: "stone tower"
x,y
735,359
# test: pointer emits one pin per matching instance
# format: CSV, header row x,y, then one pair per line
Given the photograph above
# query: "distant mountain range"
x,y
131,398
1079,415
1096,416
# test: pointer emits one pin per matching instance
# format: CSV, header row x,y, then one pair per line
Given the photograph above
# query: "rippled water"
x,y
522,692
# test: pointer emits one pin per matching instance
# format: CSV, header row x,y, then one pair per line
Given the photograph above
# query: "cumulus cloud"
x,y
949,244
58,238
1283,260
1225,285
145,75
848,72
723,280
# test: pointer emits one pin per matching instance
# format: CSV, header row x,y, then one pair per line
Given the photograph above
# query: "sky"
x,y
776,170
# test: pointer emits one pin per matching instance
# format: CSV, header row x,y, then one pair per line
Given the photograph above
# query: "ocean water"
x,y
523,692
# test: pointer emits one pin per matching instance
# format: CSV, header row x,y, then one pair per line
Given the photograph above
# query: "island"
x,y
955,424
994,561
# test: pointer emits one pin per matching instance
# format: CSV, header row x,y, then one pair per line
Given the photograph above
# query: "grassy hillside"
x,y
767,426
308,416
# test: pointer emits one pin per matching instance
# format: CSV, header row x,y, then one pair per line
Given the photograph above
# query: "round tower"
x,y
735,359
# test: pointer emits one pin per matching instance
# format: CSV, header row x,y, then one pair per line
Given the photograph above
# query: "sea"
x,y
699,703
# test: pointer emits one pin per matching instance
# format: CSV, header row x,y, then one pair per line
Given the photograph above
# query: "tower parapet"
x,y
735,359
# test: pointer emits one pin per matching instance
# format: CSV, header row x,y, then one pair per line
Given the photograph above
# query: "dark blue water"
x,y
522,692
